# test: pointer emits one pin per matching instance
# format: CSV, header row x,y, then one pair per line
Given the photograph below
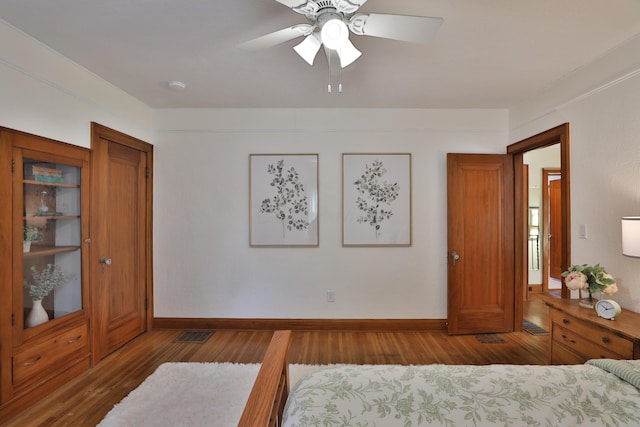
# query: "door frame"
x,y
546,248
99,132
556,135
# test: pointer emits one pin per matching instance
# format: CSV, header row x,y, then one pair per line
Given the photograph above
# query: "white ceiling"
x,y
487,54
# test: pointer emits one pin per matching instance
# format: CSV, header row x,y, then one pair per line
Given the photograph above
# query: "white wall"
x,y
204,266
43,93
602,106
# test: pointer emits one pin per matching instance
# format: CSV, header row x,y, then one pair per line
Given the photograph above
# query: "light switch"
x,y
582,231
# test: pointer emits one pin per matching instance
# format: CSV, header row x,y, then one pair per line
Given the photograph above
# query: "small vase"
x,y
37,316
587,302
26,246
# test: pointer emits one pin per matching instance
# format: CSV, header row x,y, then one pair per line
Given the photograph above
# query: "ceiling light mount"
x,y
176,85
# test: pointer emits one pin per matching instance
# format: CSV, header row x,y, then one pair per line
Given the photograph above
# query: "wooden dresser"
x,y
578,334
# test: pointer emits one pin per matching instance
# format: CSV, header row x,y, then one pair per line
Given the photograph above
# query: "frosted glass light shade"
x,y
308,48
348,53
631,236
334,34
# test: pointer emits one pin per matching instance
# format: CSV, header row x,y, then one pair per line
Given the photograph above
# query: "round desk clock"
x,y
607,309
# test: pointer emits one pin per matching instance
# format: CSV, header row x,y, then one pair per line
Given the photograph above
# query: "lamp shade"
x,y
631,236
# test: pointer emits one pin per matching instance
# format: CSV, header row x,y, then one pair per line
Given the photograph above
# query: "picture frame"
x,y
283,200
376,199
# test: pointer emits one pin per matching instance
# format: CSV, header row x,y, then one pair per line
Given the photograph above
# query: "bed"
x,y
602,392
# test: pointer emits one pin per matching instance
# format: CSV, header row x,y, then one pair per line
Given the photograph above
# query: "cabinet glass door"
x,y
52,234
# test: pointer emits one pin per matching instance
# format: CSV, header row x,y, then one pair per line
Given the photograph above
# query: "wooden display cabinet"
x,y
44,332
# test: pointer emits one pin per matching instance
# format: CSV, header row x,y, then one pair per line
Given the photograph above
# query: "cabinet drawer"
x,y
621,347
50,356
582,345
560,355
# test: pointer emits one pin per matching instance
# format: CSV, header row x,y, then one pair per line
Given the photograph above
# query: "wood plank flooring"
x,y
85,400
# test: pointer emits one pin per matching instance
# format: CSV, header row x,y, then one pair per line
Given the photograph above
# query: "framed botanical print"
x,y
376,199
283,200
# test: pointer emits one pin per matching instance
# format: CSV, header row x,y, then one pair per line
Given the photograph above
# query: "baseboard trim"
x,y
429,325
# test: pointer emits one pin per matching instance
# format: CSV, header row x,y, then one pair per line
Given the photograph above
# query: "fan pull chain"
x,y
339,88
329,69
329,85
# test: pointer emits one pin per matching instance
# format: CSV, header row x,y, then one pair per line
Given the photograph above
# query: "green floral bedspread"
x,y
461,395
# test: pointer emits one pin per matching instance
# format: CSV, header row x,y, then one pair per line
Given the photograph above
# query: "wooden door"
x,y
555,229
121,239
480,243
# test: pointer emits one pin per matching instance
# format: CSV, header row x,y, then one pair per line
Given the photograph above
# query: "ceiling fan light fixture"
x,y
348,53
334,34
308,48
330,23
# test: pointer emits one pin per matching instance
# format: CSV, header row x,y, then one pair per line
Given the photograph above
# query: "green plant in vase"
x,y
30,234
44,281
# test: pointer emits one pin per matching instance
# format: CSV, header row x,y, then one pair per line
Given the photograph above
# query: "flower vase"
x,y
586,302
37,316
26,246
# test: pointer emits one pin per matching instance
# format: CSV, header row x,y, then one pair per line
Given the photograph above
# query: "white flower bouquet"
x,y
591,278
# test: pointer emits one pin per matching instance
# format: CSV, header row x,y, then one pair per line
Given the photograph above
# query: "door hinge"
x,y
13,165
147,173
146,303
13,319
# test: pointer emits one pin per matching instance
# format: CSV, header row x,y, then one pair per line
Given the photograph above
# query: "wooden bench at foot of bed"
x,y
269,393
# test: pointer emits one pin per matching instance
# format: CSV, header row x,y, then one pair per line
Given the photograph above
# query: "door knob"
x,y
104,261
454,257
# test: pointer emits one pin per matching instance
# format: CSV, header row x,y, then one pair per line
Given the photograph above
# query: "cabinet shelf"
x,y
49,250
30,217
50,184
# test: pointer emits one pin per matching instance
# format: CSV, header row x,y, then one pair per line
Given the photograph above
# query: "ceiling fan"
x,y
330,22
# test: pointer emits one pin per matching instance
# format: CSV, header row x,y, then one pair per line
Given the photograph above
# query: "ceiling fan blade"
x,y
347,54
348,6
303,7
308,48
417,29
277,37
292,3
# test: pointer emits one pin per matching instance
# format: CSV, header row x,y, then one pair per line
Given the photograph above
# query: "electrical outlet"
x,y
331,296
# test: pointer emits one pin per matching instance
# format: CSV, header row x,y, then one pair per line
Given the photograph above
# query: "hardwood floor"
x,y
85,400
